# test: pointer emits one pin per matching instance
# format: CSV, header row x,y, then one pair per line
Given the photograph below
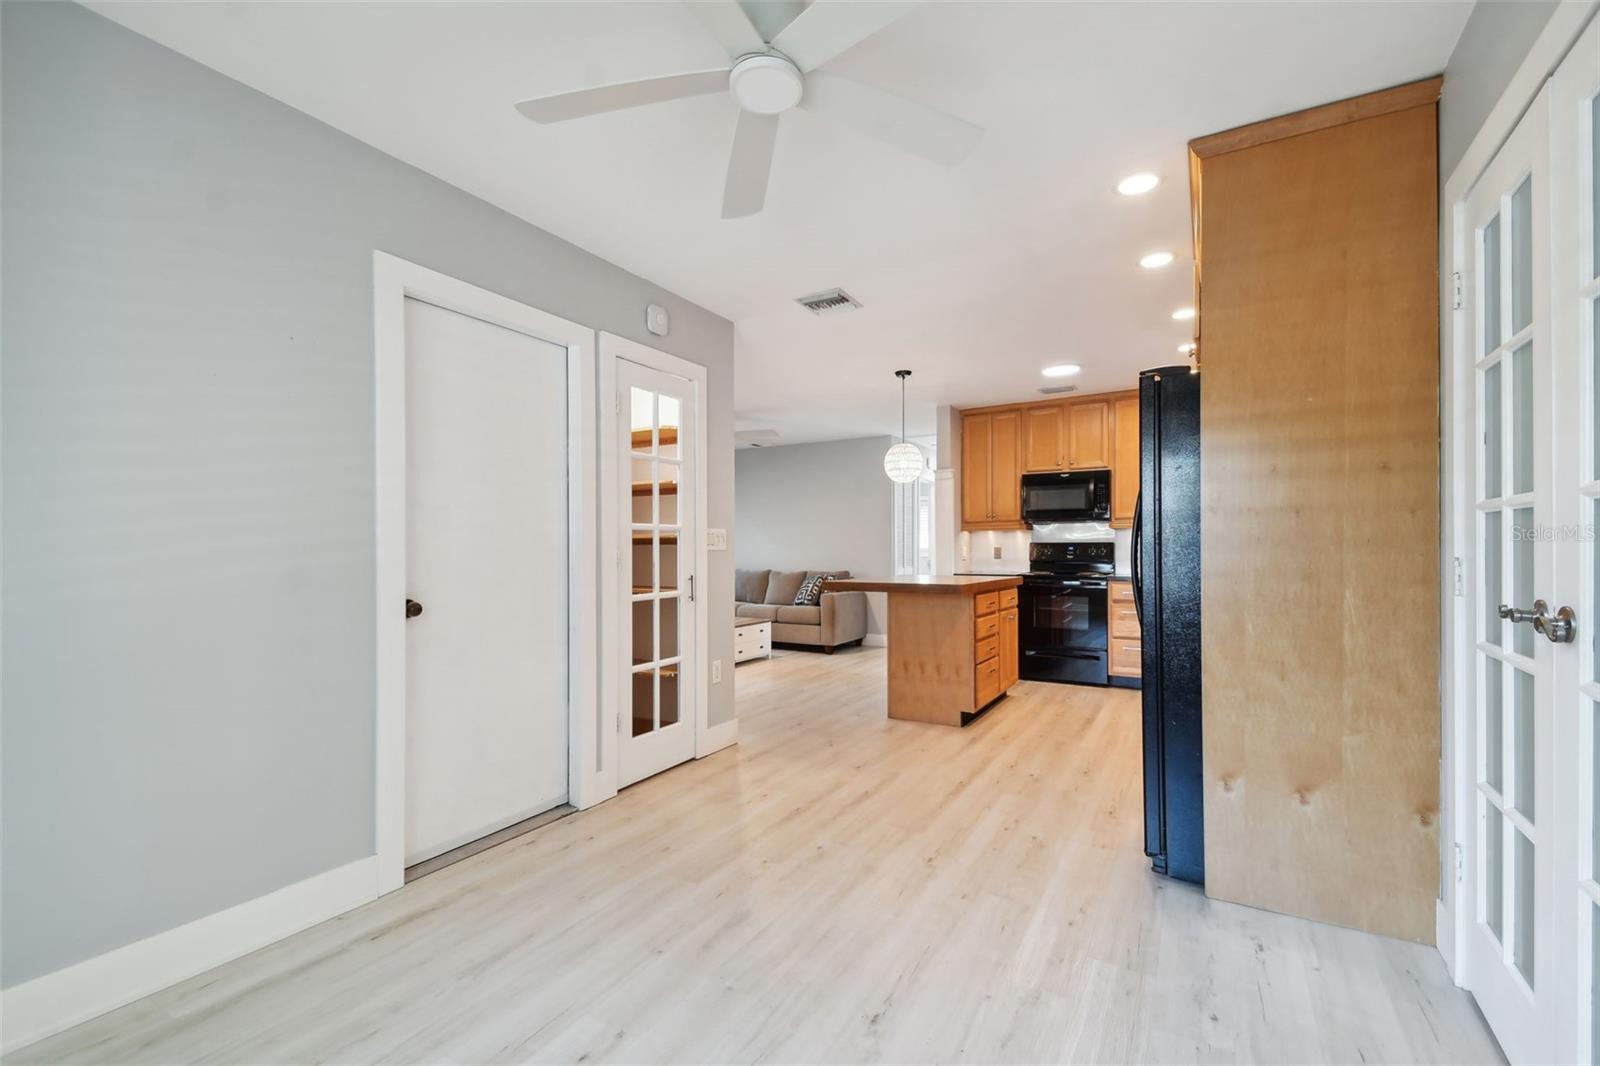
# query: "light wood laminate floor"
x,y
839,888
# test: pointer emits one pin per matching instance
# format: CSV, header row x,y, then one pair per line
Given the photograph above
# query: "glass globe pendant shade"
x,y
903,462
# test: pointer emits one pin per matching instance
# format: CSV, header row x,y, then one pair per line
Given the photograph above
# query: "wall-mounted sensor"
x,y
656,320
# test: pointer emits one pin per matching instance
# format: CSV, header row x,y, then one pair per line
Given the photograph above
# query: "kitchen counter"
x,y
965,583
952,642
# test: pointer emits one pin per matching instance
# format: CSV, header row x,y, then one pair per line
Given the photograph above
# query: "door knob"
x,y
413,608
1559,628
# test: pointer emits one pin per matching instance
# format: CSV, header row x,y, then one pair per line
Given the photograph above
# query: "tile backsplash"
x,y
976,550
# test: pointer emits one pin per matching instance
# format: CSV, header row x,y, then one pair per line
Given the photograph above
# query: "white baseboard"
x,y
717,737
47,1005
875,640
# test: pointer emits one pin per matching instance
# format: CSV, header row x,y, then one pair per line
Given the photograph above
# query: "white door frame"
x,y
613,348
393,281
1457,792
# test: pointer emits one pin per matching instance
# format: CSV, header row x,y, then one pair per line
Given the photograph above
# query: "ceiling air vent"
x,y
1051,390
832,302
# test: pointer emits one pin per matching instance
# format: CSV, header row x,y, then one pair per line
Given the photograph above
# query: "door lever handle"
x,y
1559,628
1517,614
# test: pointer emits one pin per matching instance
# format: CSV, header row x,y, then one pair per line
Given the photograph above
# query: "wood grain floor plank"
x,y
838,887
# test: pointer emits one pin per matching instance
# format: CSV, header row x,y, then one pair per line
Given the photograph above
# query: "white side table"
x,y
752,639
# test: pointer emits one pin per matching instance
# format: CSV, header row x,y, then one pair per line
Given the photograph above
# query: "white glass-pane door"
x,y
1507,965
1575,722
657,697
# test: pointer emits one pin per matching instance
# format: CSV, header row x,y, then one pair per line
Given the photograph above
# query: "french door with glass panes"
x,y
1531,298
658,484
1574,119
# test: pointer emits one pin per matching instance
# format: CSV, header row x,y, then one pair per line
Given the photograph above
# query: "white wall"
x,y
188,657
826,506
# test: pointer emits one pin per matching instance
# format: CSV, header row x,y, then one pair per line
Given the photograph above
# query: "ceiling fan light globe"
x,y
766,84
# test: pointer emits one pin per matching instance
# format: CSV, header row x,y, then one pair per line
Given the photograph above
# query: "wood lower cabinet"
x,y
1126,655
1124,460
995,630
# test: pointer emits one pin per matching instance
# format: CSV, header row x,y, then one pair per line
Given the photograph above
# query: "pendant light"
x,y
903,462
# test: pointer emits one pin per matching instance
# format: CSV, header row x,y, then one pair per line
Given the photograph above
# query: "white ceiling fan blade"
x,y
906,124
829,27
582,102
728,23
749,165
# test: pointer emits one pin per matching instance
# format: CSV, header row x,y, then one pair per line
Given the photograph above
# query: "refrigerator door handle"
x,y
1137,572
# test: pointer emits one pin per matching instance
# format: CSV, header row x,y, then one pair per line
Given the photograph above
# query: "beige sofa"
x,y
841,617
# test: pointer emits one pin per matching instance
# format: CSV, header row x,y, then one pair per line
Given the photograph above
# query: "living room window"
x,y
913,526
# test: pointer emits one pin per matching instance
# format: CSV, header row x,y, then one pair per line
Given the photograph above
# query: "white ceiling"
x,y
973,277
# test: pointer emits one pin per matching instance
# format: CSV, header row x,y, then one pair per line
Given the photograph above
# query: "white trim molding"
x,y
57,1001
613,348
394,280
875,640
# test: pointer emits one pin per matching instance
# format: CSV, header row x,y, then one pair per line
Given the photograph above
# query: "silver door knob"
x,y
1559,628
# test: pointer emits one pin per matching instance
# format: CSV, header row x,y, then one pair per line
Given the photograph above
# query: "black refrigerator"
x,y
1166,590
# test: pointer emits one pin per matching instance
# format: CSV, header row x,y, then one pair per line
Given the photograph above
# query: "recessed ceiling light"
x,y
1186,349
1061,370
1155,259
1137,184
1183,314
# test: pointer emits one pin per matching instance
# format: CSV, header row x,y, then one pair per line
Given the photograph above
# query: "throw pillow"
x,y
810,593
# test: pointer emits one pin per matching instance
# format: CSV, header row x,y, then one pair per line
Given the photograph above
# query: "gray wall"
x,y
188,468
1492,46
825,506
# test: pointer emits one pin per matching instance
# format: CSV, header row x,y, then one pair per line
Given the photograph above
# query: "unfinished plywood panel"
x,y
1320,452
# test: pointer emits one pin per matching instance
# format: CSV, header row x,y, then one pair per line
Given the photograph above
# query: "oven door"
x,y
1062,630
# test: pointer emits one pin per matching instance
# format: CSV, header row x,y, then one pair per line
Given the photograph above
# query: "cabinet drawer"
x,y
986,603
1122,592
986,625
1008,598
1124,621
987,682
988,648
1126,658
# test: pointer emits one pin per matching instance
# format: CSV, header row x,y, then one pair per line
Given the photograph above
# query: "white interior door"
x,y
658,486
1575,725
1508,965
486,558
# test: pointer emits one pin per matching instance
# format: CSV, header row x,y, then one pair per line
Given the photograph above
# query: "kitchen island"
x,y
952,643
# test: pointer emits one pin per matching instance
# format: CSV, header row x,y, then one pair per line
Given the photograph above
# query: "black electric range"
x,y
1063,607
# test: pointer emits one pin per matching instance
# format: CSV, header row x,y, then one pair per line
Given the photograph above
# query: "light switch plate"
x,y
716,671
717,540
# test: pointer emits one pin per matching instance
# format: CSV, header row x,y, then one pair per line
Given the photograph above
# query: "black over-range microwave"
x,y
1072,496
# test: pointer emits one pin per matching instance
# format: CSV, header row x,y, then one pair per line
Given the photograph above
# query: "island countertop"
x,y
927,583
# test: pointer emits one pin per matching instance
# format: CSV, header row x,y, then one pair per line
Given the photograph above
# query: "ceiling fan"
x,y
767,79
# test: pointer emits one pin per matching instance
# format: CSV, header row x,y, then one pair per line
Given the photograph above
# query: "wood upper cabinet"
x,y
976,433
1005,468
1089,434
1124,459
1044,437
1000,444
991,469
